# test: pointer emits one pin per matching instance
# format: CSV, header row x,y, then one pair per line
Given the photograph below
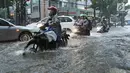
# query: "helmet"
x,y
83,15
52,8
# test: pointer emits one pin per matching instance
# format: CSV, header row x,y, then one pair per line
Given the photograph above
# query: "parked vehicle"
x,y
9,31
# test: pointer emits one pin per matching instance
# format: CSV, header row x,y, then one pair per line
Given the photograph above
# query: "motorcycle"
x,y
102,27
41,42
79,29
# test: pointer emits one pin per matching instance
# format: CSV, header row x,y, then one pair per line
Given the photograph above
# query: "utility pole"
x,y
5,7
17,13
21,12
44,8
39,9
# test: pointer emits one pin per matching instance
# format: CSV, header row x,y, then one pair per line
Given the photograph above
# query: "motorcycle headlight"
x,y
75,30
39,25
98,28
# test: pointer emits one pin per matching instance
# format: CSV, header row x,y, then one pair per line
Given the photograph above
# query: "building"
x,y
65,7
74,7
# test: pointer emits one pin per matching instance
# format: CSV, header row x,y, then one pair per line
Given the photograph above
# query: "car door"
x,y
12,32
66,22
69,22
3,30
62,22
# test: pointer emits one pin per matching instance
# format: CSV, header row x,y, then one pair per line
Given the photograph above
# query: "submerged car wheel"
x,y
25,37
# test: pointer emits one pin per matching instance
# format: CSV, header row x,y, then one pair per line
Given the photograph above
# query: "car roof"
x,y
64,16
67,16
58,16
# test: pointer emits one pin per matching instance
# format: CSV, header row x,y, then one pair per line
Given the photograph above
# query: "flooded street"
x,y
98,53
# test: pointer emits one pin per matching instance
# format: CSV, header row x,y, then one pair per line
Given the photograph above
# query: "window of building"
x,y
65,4
60,4
35,9
72,4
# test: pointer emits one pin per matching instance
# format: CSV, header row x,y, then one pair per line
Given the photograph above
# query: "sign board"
x,y
120,7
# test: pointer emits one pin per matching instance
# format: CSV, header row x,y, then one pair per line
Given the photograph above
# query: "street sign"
x,y
120,7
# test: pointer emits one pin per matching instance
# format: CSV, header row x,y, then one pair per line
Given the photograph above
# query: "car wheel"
x,y
25,37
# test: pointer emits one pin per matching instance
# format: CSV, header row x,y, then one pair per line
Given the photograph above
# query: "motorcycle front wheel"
x,y
32,46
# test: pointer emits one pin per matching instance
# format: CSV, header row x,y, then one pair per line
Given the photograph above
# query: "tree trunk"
x,y
8,12
94,13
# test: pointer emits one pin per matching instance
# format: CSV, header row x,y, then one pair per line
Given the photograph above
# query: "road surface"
x,y
98,53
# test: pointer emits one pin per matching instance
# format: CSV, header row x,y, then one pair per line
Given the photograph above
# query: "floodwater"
x,y
98,53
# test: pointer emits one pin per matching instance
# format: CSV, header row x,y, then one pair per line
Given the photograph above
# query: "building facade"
x,y
65,7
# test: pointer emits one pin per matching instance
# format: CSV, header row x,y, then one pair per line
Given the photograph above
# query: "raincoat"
x,y
54,23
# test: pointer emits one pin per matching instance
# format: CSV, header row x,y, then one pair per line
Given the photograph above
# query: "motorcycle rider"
x,y
54,22
104,23
84,23
89,26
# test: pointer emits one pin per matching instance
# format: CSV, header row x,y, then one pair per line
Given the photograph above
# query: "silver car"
x,y
9,31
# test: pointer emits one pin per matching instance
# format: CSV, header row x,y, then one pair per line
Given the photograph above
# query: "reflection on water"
x,y
116,70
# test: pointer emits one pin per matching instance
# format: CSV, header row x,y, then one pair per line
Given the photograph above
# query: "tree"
x,y
5,3
107,7
94,6
127,7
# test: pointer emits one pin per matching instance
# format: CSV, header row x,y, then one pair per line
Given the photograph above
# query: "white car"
x,y
67,22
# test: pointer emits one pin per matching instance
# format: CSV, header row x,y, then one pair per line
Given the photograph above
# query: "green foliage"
x,y
6,3
106,7
3,13
127,7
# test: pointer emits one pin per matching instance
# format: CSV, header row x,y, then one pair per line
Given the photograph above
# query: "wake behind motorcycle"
x,y
41,42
